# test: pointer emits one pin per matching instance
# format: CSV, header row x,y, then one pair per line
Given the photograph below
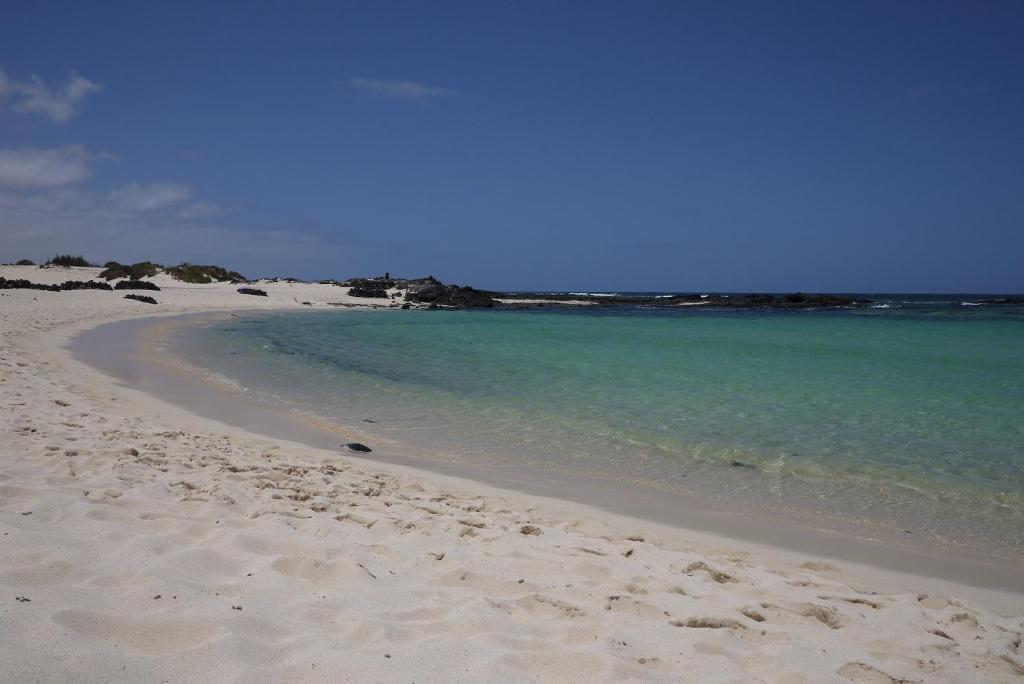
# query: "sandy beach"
x,y
142,542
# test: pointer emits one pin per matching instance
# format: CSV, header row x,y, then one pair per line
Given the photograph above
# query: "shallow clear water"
x,y
906,417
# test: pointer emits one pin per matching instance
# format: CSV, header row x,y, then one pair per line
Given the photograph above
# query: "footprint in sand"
x,y
321,573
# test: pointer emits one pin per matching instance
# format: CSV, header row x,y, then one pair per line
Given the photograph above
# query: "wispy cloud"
x,y
149,196
409,90
60,104
201,210
30,167
41,222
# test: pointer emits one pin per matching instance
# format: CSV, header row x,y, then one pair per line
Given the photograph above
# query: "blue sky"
x,y
644,146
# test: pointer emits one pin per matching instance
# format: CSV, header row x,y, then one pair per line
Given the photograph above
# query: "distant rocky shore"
x,y
435,293
427,292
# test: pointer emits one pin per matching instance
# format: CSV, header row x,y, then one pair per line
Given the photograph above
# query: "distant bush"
x,y
141,298
201,275
136,285
252,291
68,260
143,269
25,262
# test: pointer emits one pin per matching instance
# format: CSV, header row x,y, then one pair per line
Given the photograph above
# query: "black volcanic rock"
x,y
1005,301
796,300
426,293
368,291
431,291
377,283
356,446
465,297
788,301
22,284
86,285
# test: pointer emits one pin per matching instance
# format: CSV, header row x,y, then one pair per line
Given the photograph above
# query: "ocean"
x,y
904,416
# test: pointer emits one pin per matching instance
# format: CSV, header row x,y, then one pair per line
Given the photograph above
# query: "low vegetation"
x,y
137,285
68,260
194,273
143,269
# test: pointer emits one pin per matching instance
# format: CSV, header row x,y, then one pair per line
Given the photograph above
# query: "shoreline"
x,y
130,355
142,542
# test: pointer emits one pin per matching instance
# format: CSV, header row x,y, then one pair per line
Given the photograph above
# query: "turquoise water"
x,y
908,417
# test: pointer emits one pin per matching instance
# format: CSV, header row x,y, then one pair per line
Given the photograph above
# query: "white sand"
x,y
142,543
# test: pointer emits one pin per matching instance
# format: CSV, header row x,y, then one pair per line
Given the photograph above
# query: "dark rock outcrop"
x,y
22,284
431,291
788,301
356,446
1005,301
86,285
378,283
252,291
738,301
372,292
140,298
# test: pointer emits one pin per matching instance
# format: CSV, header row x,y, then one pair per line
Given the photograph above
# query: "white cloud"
x,y
34,96
30,167
39,223
149,196
410,90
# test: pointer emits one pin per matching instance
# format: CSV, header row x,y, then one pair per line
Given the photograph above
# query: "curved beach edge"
x,y
142,541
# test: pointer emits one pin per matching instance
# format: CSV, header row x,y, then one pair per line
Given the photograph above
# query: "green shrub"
x,y
68,260
194,273
25,262
143,269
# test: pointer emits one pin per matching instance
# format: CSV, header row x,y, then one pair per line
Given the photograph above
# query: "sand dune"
x,y
141,543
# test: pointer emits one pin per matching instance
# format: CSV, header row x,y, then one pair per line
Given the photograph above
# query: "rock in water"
x,y
356,446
